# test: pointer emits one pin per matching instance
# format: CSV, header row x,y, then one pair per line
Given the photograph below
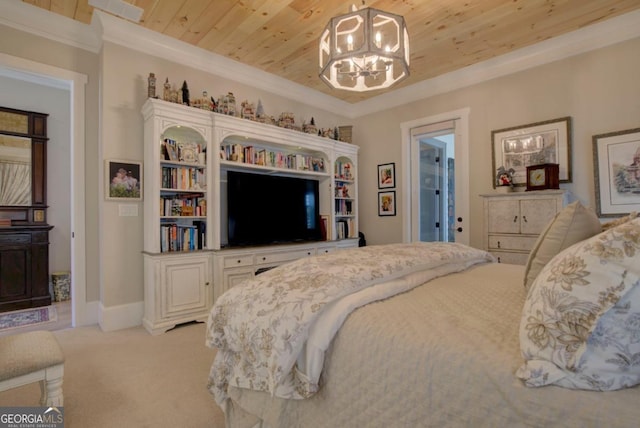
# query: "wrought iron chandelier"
x,y
364,50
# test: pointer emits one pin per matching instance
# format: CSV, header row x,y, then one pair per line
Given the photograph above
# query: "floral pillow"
x,y
572,224
580,325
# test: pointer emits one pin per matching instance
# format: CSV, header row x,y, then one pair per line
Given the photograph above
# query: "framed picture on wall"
x,y
386,175
532,144
387,203
616,158
123,180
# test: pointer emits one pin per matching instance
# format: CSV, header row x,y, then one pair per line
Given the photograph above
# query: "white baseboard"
x,y
91,314
120,317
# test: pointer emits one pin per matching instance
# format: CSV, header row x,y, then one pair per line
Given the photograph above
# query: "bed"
x,y
446,348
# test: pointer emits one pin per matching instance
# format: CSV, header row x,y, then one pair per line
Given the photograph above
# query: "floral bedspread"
x,y
261,326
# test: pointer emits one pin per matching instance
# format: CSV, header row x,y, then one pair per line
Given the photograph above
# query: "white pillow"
x,y
572,224
580,325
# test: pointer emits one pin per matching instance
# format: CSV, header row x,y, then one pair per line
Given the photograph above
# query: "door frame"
x,y
461,116
74,83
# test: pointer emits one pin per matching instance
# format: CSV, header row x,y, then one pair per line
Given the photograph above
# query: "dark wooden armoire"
x,y
24,232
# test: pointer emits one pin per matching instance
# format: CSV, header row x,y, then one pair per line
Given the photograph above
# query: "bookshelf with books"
x,y
177,196
345,198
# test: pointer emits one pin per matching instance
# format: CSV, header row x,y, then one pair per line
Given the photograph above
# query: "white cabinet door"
x,y
232,277
536,214
504,216
185,286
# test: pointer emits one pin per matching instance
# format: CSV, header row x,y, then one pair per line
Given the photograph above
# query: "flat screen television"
x,y
269,209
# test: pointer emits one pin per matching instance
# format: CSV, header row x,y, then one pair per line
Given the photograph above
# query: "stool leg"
x,y
51,387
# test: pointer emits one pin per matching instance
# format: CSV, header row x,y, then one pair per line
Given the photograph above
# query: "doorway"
x,y
435,156
74,84
435,166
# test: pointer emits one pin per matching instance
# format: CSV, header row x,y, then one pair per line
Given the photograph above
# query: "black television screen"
x,y
269,209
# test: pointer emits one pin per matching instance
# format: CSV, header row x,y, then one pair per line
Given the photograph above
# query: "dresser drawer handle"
x,y
524,218
515,219
498,244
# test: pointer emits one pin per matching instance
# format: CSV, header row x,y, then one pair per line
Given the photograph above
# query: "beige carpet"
x,y
129,378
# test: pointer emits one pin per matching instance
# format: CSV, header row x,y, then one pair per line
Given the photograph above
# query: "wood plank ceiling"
x,y
281,36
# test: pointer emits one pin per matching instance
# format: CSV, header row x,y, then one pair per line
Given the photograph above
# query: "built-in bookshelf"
x,y
189,154
183,201
271,158
177,272
345,199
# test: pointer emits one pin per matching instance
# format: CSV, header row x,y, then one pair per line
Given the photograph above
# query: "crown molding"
x,y
105,27
25,17
135,37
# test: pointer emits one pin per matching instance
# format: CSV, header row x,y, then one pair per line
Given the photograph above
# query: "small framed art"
x,y
386,175
616,158
387,203
123,180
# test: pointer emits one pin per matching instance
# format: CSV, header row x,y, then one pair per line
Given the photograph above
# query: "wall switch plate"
x,y
128,210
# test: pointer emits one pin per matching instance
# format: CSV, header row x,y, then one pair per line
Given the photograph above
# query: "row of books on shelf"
x,y
183,205
343,170
345,228
183,178
344,206
180,151
264,157
178,237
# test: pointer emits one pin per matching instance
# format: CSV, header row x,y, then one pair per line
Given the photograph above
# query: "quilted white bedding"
x,y
442,354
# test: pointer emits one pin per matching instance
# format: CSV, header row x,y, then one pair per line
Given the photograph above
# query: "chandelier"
x,y
364,50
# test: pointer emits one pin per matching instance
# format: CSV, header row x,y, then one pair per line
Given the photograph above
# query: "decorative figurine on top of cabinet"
x,y
310,128
166,93
185,93
151,85
247,110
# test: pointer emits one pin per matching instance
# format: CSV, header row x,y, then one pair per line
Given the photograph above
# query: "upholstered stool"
x,y
32,357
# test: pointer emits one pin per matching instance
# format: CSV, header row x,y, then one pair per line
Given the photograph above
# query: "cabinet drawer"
x,y
238,261
284,256
511,258
506,242
326,250
15,238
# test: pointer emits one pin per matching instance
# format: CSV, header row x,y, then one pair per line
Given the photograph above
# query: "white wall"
x,y
23,95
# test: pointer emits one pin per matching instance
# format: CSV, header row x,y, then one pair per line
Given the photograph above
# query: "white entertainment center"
x,y
188,262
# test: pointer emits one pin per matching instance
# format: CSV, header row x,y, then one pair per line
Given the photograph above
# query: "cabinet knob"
x,y
459,219
459,229
239,261
308,253
206,283
264,258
